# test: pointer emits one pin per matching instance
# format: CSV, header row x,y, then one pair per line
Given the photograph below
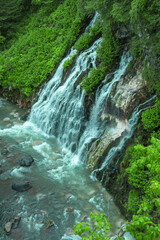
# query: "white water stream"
x,y
57,135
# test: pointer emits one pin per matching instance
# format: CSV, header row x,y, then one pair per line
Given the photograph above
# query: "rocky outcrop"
x,y
128,93
99,149
125,96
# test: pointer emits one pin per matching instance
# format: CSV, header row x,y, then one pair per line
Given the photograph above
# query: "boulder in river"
x,y
26,161
21,185
8,227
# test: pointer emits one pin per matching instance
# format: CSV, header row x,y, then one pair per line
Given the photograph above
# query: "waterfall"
x,y
127,134
60,108
96,125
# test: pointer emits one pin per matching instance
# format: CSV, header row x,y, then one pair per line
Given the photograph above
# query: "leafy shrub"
x,y
88,38
90,82
144,199
151,117
97,228
44,42
68,62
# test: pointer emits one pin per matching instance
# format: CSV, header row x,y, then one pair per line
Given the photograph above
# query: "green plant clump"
x,y
68,62
52,29
151,118
97,228
144,200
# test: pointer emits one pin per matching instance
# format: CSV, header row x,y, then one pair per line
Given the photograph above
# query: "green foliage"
x,y
83,42
97,228
144,199
120,11
149,230
35,54
141,18
68,62
90,82
11,11
88,38
106,55
108,50
151,117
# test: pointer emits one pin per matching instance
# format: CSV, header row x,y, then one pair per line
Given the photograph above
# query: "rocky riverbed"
x,y
44,189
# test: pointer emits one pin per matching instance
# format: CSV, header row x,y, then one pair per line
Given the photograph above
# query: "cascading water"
x,y
96,125
128,130
60,109
62,190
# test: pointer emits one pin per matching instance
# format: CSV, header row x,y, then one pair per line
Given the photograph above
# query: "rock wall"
x,y
126,94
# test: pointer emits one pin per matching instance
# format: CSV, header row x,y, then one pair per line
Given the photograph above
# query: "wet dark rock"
x,y
69,210
21,185
8,227
99,150
26,161
4,151
1,171
16,222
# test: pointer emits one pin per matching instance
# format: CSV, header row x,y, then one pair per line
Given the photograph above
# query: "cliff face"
x,y
126,95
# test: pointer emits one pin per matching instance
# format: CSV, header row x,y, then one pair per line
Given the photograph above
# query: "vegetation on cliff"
x,y
36,34
43,37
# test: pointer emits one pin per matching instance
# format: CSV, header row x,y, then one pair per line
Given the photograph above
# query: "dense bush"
x,y
97,228
89,37
36,52
144,200
151,118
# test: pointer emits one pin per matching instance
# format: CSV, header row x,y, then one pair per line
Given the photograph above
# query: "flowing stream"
x,y
57,135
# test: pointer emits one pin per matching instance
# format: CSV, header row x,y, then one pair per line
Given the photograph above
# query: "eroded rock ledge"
x,y
125,96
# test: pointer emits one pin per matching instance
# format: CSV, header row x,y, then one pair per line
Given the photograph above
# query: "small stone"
x,y
84,219
21,186
8,227
16,222
37,142
16,115
43,212
67,196
40,196
26,161
69,231
70,210
6,119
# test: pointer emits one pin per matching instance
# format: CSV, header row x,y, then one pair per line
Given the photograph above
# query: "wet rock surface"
x,y
21,185
8,227
49,200
128,93
26,161
99,149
